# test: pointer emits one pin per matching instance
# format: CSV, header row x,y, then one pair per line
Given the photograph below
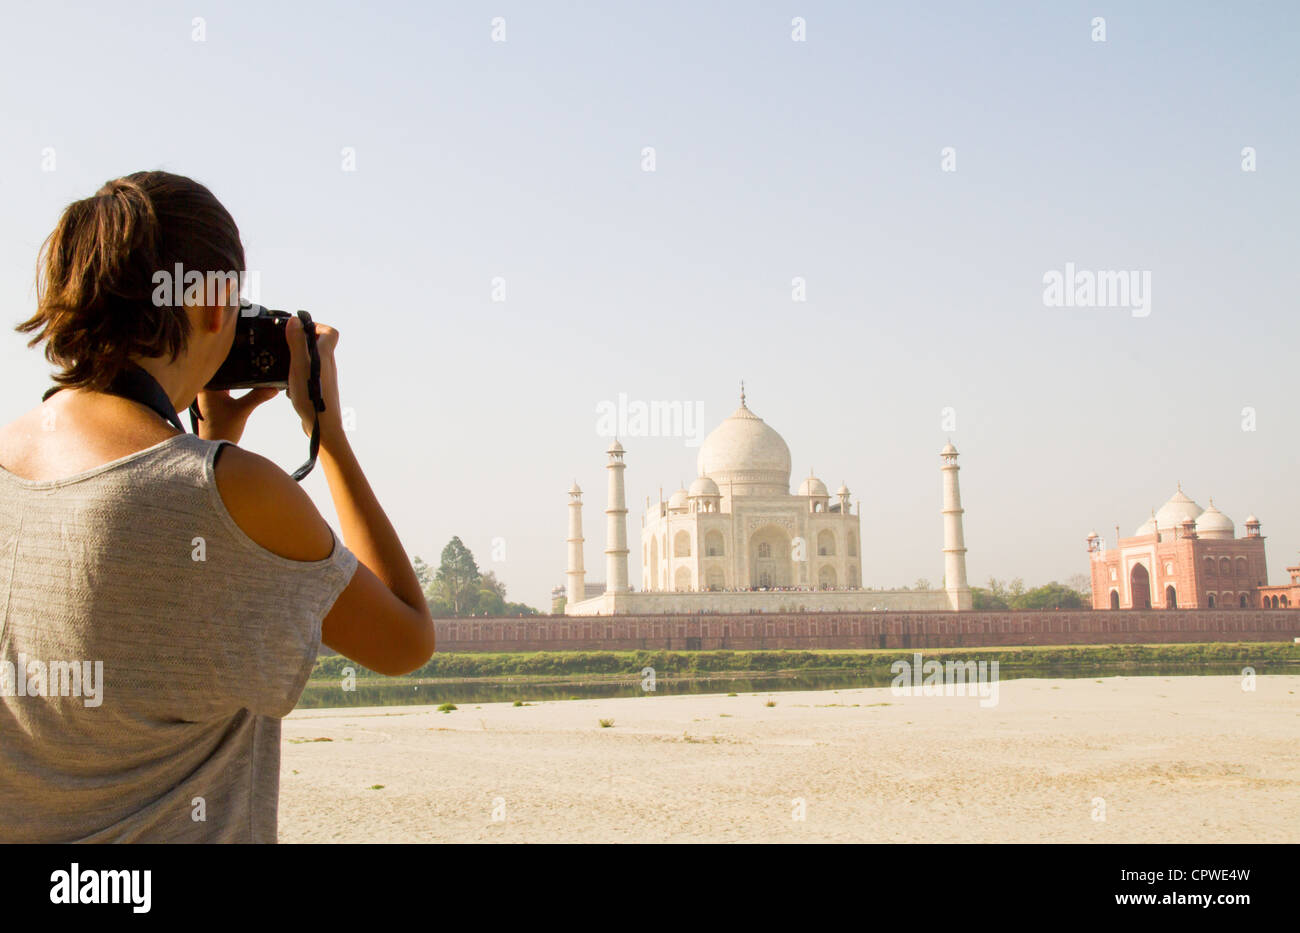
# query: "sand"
x,y
1175,759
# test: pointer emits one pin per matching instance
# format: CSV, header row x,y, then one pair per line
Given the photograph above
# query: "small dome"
x,y
574,490
1093,534
677,500
842,491
1214,524
615,448
1251,519
703,486
948,450
812,486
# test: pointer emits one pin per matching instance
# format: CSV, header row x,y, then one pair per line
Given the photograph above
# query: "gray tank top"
x,y
148,649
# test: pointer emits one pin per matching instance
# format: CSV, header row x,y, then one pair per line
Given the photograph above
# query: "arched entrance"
x,y
1139,584
1114,599
1171,598
769,557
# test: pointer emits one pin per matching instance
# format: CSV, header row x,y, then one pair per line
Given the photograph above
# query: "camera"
x,y
260,354
259,357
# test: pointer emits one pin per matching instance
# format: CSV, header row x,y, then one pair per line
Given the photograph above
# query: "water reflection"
x,y
396,692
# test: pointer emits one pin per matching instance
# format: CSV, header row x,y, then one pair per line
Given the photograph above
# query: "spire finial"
x,y
742,393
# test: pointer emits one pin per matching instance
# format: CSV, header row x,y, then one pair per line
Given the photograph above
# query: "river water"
x,y
402,692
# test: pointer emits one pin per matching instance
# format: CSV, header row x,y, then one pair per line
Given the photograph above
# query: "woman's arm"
x,y
404,641
381,619
371,622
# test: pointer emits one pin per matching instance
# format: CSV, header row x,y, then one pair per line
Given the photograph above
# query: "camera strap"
x,y
138,385
313,392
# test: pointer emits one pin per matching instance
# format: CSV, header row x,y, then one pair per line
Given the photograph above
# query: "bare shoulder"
x,y
270,507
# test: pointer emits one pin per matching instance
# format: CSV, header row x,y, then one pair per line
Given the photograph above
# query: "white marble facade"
x,y
737,540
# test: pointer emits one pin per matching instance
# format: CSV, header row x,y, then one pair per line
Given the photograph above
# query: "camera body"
x,y
260,354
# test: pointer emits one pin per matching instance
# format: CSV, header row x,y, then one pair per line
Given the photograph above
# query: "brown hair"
x,y
95,274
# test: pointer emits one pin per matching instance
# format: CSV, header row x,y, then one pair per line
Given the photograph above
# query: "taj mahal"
x,y
737,540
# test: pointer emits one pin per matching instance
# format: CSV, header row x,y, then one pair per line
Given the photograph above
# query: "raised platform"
x,y
904,630
742,602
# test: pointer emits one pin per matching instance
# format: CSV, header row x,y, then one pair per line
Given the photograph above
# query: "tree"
x,y
458,579
489,581
986,600
424,575
921,584
1082,583
1049,596
489,603
459,588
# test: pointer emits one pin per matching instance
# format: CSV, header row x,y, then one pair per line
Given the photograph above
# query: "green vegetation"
x,y
605,723
447,707
459,588
1013,596
696,663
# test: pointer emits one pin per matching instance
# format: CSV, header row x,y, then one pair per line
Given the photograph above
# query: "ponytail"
x,y
95,281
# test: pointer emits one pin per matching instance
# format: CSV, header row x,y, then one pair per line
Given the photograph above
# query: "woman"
x,y
163,595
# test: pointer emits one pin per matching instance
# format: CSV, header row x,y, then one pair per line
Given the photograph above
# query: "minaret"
x,y
616,524
954,542
576,587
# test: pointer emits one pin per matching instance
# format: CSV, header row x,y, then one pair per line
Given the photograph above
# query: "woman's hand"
x,y
224,417
331,419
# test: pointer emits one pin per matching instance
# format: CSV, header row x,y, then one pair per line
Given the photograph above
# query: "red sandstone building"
x,y
1186,557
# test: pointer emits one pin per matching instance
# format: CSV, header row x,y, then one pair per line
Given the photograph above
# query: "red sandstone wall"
x,y
865,630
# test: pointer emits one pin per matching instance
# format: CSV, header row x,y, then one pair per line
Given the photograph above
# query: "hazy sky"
x,y
774,159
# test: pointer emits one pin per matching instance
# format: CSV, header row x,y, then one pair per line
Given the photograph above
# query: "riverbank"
x,y
1162,759
1042,658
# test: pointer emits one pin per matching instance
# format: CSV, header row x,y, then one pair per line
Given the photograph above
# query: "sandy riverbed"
x,y
1175,759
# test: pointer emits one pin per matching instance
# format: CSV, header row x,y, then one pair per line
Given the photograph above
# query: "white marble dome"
x,y
702,486
748,456
1214,524
1172,514
812,486
1178,509
677,500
